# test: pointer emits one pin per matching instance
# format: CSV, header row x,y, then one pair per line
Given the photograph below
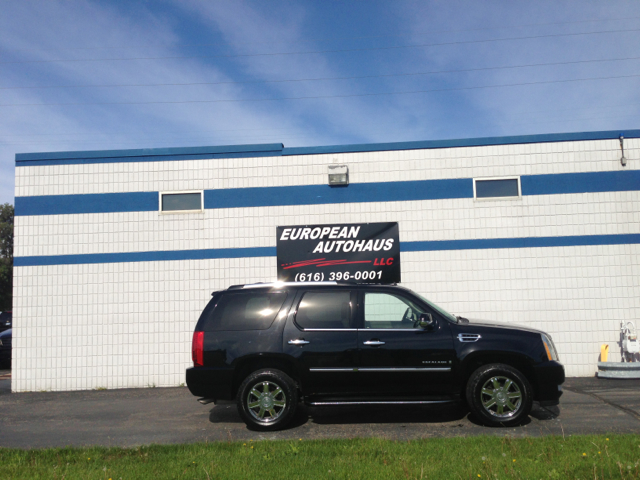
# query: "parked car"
x,y
5,349
5,320
270,345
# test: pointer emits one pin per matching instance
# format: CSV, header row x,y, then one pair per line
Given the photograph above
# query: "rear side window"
x,y
324,310
245,311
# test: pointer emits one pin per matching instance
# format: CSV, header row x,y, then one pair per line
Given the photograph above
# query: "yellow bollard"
x,y
604,352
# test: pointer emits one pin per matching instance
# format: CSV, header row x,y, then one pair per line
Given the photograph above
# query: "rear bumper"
x,y
548,377
208,382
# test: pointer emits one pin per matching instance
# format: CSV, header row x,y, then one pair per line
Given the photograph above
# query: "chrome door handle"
x,y
373,342
297,341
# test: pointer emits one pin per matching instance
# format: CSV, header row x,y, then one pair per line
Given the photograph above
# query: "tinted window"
x,y
181,201
324,310
383,310
497,188
245,311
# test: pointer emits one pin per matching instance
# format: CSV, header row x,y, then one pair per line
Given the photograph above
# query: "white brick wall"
x,y
130,324
577,294
531,216
466,162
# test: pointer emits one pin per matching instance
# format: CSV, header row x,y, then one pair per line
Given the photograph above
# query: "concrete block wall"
x,y
129,324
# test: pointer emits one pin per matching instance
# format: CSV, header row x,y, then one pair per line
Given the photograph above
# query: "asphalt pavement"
x,y
131,417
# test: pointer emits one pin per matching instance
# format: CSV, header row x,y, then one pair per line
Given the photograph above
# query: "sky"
x,y
104,75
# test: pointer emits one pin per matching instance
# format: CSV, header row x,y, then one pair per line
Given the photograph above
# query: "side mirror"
x,y
426,321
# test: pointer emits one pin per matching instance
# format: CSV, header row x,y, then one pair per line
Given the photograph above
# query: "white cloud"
x,y
55,29
544,108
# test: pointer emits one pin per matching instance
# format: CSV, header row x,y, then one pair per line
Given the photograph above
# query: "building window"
x,y
181,202
497,188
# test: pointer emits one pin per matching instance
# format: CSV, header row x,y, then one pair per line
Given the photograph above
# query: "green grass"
x,y
583,457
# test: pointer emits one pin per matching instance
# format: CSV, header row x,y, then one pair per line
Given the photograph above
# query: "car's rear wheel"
x,y
267,399
499,395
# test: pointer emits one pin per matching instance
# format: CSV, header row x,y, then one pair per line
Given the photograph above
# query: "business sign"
x,y
361,253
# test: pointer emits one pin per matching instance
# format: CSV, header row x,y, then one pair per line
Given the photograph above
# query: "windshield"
x,y
440,310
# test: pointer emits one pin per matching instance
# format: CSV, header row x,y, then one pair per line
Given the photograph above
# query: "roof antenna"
x,y
623,160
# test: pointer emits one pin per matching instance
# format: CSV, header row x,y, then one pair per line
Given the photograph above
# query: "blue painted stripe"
x,y
523,242
277,149
250,197
354,193
589,182
550,184
89,203
418,246
160,256
148,154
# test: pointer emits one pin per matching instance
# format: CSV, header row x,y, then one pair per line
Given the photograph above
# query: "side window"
x,y
245,311
181,202
383,310
324,310
497,188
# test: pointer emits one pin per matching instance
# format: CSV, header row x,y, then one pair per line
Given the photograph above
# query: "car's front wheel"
x,y
499,395
267,399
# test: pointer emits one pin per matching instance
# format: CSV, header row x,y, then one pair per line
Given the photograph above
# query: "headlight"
x,y
552,354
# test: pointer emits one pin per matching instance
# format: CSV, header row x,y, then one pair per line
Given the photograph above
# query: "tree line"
x,y
6,257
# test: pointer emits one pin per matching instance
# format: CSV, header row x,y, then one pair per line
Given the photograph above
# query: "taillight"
x,y
197,349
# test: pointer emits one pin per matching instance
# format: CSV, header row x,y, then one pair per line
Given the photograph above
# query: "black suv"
x,y
270,345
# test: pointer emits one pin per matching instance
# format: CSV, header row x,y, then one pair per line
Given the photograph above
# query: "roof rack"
x,y
299,284
278,284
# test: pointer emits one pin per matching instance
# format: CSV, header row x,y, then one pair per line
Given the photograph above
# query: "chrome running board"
x,y
380,402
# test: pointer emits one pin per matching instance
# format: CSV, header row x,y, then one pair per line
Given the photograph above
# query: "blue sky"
x,y
89,75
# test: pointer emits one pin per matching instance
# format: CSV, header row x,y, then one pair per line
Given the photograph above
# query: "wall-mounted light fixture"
x,y
338,175
623,160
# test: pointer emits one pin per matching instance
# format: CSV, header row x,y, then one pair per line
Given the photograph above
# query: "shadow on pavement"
x,y
545,413
385,414
226,413
5,381
537,412
365,414
361,414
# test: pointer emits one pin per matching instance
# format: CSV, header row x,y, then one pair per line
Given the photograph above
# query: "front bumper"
x,y
548,377
210,382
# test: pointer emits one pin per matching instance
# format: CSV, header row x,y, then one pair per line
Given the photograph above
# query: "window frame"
x,y
398,295
410,296
353,321
485,199
180,192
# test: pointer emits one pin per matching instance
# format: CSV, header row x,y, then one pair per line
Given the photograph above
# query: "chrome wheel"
x,y
501,397
266,401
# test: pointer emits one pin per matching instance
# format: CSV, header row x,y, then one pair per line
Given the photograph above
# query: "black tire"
x,y
267,400
499,395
